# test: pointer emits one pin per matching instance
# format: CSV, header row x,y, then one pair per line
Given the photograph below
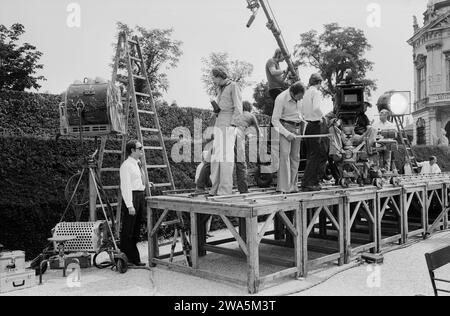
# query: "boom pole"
x,y
272,25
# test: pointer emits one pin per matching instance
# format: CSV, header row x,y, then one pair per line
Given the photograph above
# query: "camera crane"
x,y
272,25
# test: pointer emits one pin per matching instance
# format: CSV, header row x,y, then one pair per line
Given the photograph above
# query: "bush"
x,y
33,176
35,165
423,153
30,114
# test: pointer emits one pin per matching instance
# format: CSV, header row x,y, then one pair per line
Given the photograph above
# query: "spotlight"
x,y
397,102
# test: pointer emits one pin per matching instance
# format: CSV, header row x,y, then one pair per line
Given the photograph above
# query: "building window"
x,y
422,83
447,72
421,136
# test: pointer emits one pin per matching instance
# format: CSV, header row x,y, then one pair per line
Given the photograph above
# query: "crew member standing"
x,y
229,100
316,148
287,119
132,186
275,76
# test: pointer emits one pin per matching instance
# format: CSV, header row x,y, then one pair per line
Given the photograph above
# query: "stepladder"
x,y
130,72
410,156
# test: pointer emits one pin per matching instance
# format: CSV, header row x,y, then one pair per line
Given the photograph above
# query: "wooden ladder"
x,y
129,56
406,144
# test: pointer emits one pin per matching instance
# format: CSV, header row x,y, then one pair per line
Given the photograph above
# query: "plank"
x,y
235,234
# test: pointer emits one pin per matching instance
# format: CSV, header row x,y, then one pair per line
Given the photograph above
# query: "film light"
x,y
397,102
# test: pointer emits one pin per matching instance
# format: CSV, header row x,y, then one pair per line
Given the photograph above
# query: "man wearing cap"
x,y
288,120
229,100
316,148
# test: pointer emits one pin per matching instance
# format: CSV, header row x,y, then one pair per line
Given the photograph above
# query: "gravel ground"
x,y
404,272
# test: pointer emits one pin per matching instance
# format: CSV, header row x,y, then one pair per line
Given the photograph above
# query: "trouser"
x,y
222,160
274,93
272,136
204,180
317,155
240,161
387,159
336,139
131,227
289,161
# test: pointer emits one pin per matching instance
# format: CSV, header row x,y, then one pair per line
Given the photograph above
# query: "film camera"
x,y
355,148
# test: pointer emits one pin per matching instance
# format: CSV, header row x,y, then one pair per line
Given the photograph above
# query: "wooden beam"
x,y
194,240
288,223
159,222
265,227
235,234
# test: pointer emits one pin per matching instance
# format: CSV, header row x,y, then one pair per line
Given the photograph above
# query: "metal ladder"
x,y
406,144
142,103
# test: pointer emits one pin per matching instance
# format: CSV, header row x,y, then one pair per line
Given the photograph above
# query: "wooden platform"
x,y
335,224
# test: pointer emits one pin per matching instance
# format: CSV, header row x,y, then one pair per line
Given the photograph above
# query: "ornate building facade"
x,y
431,46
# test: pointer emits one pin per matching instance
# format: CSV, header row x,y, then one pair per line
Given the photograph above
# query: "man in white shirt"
x,y
288,121
384,124
132,187
430,167
382,127
316,149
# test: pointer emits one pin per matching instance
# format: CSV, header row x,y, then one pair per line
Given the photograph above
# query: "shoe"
x,y
311,188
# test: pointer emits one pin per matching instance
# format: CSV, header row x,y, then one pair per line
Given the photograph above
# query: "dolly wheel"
x,y
378,182
360,182
344,182
121,265
395,181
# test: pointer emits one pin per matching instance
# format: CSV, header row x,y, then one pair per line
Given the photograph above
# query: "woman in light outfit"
x,y
229,100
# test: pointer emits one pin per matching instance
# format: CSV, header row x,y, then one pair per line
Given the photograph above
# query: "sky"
x,y
206,26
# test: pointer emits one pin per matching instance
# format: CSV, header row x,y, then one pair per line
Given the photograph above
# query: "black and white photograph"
x,y
224,155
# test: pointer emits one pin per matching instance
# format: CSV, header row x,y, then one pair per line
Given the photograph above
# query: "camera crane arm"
x,y
272,25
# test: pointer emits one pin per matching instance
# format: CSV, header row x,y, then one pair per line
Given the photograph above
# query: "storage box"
x,y
12,262
17,281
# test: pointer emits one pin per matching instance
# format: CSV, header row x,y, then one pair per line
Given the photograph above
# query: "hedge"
x,y
31,114
33,176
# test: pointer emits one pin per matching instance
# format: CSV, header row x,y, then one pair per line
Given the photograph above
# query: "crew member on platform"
x,y
132,186
229,100
275,76
288,120
316,148
384,128
276,79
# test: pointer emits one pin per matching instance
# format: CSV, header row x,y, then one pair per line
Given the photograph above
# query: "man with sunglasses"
x,y
132,186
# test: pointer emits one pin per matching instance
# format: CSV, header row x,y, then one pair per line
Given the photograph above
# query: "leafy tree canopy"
x,y
238,70
335,52
18,63
160,51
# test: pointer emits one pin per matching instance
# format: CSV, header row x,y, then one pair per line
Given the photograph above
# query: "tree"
x,y
263,101
334,52
160,52
18,64
238,71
